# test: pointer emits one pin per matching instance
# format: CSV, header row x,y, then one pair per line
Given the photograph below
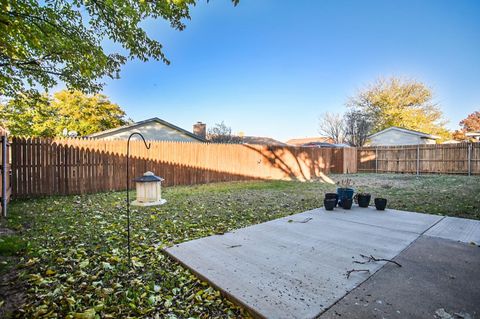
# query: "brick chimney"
x,y
200,129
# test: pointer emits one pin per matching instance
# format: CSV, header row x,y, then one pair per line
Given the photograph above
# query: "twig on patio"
x,y
233,246
306,220
349,272
371,258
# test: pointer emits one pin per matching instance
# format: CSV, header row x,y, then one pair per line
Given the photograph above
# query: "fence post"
x,y
4,175
418,159
376,160
469,163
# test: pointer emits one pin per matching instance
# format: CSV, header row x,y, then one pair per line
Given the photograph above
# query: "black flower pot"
x,y
380,203
347,203
332,196
344,193
329,203
363,200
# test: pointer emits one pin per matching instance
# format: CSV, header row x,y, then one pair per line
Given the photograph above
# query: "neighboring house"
x,y
451,142
474,135
317,144
307,140
399,136
258,140
155,129
321,144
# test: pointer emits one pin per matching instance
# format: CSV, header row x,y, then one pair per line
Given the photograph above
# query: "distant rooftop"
x,y
301,141
259,140
474,134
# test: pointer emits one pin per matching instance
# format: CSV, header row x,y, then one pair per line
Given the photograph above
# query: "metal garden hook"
x,y
128,187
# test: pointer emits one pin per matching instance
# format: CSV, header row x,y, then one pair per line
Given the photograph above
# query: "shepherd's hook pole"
x,y
128,188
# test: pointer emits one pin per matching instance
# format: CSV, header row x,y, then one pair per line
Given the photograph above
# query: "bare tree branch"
x,y
372,258
332,125
358,125
349,272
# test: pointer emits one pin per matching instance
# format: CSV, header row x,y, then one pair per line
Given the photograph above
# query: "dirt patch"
x,y
372,180
11,291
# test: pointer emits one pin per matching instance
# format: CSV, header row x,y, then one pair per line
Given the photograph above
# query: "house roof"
x,y
404,130
477,133
301,141
141,123
451,142
259,140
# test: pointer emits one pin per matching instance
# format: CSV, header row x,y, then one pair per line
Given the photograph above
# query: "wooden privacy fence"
x,y
462,158
76,166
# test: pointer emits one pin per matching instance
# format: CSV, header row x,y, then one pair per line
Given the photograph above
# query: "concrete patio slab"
x,y
458,229
295,267
439,278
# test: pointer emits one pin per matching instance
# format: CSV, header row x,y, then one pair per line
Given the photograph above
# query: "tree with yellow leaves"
x,y
400,102
65,111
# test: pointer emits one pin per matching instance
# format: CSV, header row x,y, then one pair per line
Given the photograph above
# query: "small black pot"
x,y
329,203
332,196
380,203
344,193
363,200
347,203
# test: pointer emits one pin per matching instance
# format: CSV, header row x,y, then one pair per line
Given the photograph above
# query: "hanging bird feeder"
x,y
149,190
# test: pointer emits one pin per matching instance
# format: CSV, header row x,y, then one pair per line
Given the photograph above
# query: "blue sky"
x,y
270,68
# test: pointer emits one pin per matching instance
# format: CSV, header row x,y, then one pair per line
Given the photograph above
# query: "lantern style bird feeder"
x,y
149,190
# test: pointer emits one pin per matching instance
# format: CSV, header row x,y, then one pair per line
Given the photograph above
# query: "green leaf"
x,y
84,263
88,314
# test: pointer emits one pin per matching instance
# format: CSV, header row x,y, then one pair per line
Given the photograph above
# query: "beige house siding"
x,y
152,129
395,137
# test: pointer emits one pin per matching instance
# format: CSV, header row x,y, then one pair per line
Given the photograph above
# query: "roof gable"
x,y
142,123
407,131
